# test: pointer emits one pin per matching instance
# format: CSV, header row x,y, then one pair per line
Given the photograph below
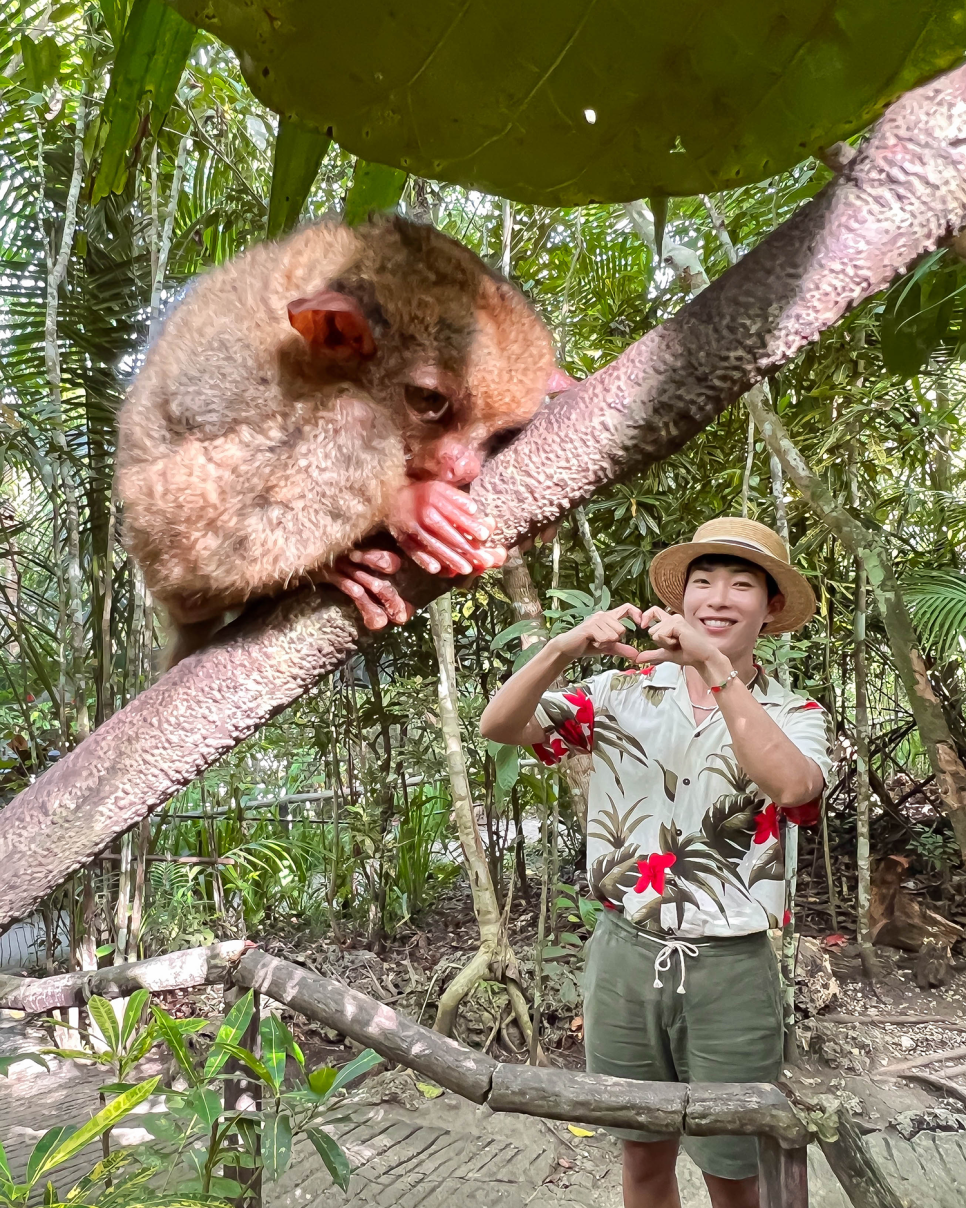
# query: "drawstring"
x,y
662,962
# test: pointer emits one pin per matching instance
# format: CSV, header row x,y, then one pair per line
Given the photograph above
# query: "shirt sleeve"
x,y
809,726
567,716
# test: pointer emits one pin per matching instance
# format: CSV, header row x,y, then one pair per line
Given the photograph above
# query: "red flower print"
x,y
652,871
811,704
786,918
804,815
584,706
550,753
766,824
609,905
574,735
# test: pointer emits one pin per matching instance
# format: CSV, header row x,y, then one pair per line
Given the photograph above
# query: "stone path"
x,y
448,1152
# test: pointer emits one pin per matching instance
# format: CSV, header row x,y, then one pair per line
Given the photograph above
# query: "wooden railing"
x,y
691,1109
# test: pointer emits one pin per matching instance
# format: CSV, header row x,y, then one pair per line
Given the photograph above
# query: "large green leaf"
x,y
333,1155
374,189
563,102
299,152
73,1141
147,69
231,1031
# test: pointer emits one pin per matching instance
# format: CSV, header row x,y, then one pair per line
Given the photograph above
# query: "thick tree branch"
x,y
903,193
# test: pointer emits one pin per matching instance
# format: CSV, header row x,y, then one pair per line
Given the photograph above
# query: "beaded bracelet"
x,y
732,674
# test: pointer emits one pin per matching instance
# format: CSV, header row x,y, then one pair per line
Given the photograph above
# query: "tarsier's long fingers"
x,y
457,507
377,599
377,559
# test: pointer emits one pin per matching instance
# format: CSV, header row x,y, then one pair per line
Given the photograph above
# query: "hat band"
x,y
738,541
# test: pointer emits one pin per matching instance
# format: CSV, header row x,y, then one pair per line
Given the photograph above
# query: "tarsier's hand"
x,y
374,595
440,528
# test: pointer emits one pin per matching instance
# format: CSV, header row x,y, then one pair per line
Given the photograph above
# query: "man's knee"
x,y
733,1193
650,1162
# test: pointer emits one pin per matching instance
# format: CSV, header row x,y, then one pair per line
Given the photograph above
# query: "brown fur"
x,y
246,462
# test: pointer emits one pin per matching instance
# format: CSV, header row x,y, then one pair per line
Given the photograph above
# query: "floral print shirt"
x,y
678,837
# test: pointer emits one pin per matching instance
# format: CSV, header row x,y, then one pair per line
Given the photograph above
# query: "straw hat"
x,y
744,539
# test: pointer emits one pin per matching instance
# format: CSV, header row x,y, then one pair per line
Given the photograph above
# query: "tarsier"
x,y
311,393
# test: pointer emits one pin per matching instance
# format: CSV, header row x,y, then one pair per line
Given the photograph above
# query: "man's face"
x,y
729,604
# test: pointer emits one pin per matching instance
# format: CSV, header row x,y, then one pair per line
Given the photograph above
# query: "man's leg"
x,y
732,1032
625,1036
730,1193
649,1179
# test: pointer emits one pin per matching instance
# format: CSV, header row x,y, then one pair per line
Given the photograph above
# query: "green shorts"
x,y
725,1027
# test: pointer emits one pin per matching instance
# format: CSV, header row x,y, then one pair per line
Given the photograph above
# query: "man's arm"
x,y
764,751
509,717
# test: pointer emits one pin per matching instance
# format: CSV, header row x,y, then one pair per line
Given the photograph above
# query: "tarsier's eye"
x,y
430,406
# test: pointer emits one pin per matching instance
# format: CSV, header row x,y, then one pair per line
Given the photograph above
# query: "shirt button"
x,y
685,781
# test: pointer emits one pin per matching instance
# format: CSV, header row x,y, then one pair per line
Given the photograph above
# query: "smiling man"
x,y
697,755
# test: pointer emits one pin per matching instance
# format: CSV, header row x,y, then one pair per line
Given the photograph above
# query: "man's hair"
x,y
714,561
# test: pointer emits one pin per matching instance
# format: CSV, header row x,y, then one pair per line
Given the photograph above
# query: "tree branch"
x,y
904,192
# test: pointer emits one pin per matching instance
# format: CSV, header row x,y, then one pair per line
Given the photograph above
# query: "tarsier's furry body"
x,y
256,446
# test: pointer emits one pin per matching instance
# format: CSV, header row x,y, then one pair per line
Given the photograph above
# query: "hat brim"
x,y
668,572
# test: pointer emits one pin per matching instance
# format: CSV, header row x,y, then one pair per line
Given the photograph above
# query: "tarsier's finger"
x,y
374,616
472,525
415,551
450,562
434,522
378,559
384,591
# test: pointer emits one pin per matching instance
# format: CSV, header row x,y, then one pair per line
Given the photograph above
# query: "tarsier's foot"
x,y
441,529
375,596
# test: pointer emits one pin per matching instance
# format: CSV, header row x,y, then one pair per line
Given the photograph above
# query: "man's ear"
x,y
333,325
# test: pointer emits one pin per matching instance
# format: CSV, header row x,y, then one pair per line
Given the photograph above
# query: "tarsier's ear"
x,y
333,324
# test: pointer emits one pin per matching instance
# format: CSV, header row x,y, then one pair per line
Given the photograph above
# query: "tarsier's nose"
x,y
458,466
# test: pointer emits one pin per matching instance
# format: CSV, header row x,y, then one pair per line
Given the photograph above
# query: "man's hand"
x,y
678,642
601,634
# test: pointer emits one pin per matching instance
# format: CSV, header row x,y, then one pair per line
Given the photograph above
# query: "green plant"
x,y
59,1144
201,1134
936,848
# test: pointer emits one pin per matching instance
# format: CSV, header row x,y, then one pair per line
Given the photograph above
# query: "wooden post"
x,y
244,1093
782,1175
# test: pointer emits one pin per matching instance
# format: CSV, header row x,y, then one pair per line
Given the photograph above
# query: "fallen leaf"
x,y
581,1132
835,941
565,1163
429,1089
576,1023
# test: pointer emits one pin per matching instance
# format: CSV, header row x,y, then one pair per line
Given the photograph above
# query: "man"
x,y
696,756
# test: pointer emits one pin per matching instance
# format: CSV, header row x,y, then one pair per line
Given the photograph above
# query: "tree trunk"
x,y
870,551
863,790
902,194
495,957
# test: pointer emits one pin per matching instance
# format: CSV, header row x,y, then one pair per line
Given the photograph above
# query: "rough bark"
x,y
173,971
869,549
901,195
